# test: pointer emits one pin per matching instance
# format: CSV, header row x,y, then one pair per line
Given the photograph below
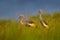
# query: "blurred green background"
x,y
13,30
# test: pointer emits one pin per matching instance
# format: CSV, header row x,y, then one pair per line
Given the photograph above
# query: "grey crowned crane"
x,y
42,21
26,22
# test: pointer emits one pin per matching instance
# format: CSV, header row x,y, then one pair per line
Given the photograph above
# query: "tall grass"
x,y
15,31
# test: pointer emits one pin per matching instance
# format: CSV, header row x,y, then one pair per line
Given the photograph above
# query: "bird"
x,y
43,22
28,23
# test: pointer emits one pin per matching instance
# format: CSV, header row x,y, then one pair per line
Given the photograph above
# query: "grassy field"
x,y
13,30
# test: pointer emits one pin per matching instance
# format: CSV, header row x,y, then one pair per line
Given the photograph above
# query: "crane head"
x,y
21,16
41,11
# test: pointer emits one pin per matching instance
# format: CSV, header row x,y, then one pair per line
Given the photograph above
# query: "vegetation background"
x,y
13,30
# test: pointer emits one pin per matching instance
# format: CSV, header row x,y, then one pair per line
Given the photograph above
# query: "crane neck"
x,y
41,17
21,21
